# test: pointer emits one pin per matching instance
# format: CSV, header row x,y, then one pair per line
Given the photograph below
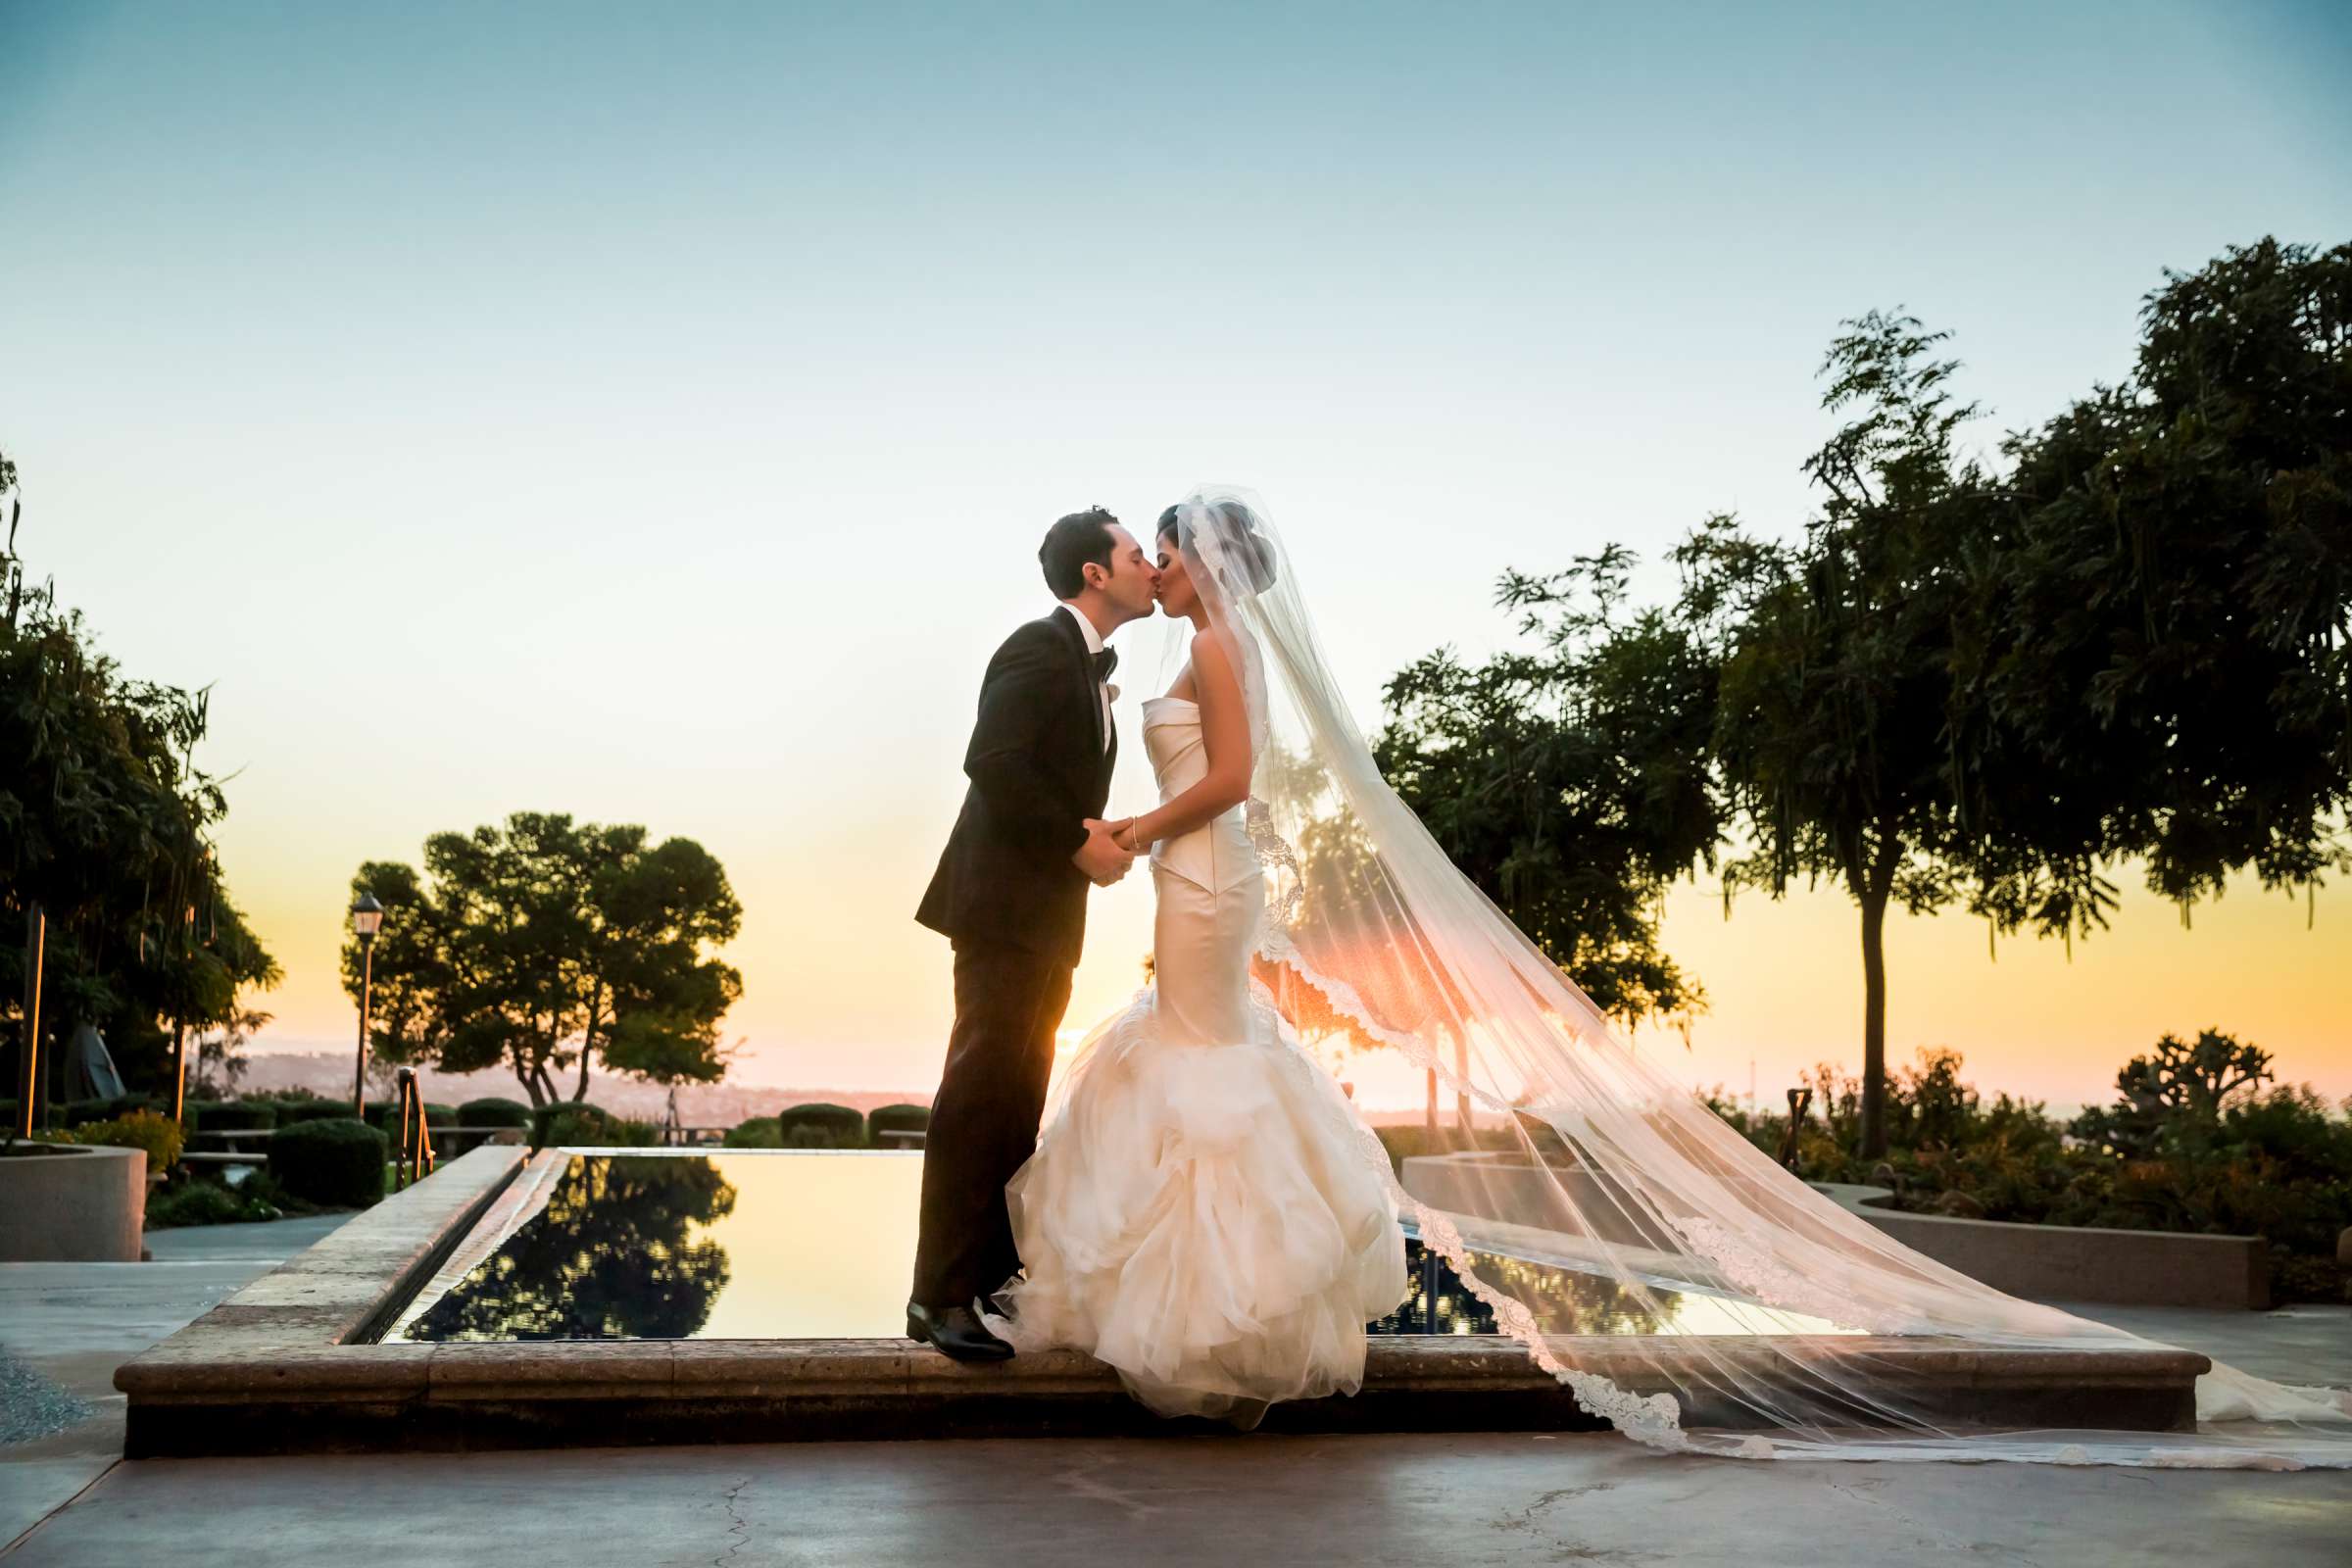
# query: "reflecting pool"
x,y
760,1244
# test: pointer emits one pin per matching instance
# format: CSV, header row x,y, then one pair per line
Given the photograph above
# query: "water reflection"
x,y
772,1245
1564,1300
1574,1301
610,1258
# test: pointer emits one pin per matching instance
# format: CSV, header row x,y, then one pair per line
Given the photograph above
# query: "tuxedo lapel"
x,y
1083,662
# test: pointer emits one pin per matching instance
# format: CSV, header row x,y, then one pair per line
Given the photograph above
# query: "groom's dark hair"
x,y
1071,543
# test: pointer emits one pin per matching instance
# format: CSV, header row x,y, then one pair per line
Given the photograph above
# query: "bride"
x,y
1203,1211
1206,1212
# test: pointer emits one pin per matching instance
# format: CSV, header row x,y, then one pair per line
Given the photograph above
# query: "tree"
x,y
220,1056
192,968
1966,685
2164,629
1830,727
105,823
547,945
2176,1095
1561,781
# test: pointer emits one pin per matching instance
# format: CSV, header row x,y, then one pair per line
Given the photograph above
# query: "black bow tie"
x,y
1105,663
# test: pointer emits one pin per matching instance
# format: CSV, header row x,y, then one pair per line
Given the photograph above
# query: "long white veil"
x,y
1574,1150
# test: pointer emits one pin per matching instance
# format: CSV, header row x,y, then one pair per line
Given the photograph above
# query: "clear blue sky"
x,y
650,412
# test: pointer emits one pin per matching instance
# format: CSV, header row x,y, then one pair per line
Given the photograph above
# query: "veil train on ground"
x,y
1592,1155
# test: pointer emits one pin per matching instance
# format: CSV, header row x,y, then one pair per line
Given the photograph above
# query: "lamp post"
x,y
29,1099
367,918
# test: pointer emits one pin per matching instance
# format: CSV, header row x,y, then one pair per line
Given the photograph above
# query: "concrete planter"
x,y
2080,1262
71,1203
2045,1263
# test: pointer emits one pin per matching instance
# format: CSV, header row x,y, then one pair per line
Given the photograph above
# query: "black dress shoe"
x,y
955,1331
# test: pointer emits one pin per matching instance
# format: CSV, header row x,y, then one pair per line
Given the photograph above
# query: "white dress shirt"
x,y
1093,645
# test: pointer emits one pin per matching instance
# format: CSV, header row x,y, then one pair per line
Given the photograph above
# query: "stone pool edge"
x,y
280,1368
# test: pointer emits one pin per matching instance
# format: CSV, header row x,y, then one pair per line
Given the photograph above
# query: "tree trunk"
x,y
579,1091
533,1075
180,1070
596,1005
1462,1095
1873,1025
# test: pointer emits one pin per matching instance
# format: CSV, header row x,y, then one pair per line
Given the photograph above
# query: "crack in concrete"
x,y
1563,1550
739,1529
1927,1533
1079,1479
1526,1519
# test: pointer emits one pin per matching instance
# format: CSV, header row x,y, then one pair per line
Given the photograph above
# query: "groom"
x,y
1010,894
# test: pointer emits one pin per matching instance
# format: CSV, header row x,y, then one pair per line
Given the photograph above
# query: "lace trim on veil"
x,y
1654,1419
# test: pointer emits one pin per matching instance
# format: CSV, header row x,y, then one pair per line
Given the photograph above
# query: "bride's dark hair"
x,y
1250,549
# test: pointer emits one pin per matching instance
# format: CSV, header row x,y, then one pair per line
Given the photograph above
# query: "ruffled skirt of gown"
x,y
1205,1211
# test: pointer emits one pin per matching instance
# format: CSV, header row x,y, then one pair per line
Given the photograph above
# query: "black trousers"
x,y
992,1094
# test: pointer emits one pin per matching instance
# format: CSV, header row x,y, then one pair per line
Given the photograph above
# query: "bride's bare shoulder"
x,y
1219,656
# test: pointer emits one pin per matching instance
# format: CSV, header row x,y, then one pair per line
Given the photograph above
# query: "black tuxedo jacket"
x,y
1039,768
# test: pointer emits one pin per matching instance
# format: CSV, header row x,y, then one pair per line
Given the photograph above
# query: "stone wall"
x,y
73,1204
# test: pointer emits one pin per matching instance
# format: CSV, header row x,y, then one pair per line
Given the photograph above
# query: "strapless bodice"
x,y
1219,854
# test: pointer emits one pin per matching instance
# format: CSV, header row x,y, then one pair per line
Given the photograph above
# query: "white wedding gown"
x,y
1206,1212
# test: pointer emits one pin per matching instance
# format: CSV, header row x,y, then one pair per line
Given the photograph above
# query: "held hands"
x,y
1103,857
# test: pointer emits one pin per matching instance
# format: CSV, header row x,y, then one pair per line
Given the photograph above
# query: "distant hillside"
x,y
718,1104
700,1104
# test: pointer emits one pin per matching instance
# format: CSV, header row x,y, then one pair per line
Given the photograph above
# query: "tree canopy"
x,y
548,945
2163,620
1958,682
1560,781
106,823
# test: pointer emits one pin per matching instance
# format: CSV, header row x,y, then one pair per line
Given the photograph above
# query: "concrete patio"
x,y
1459,1498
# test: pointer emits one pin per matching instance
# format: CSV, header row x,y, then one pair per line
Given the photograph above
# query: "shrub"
x,y
160,1135
311,1109
569,1122
384,1115
845,1127
897,1119
808,1136
760,1132
75,1113
207,1204
559,1121
2192,1143
336,1162
234,1115
494,1112
635,1134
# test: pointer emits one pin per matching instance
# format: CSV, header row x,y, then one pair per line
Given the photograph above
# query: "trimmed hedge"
x,y
760,1132
234,1115
845,1127
897,1119
334,1161
384,1115
290,1111
567,1122
494,1112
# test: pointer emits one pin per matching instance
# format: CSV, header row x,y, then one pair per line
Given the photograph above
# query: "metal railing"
x,y
413,1157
